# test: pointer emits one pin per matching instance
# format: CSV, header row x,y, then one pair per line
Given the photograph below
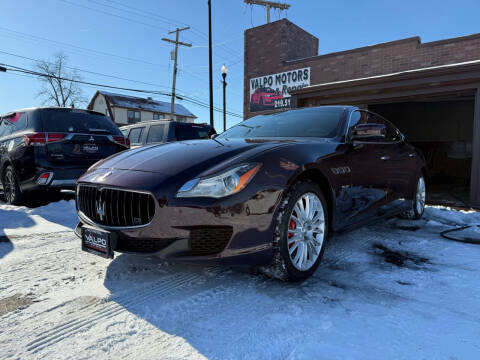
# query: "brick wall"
x,y
282,46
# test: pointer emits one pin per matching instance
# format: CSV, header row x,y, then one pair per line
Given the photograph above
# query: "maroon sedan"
x,y
266,193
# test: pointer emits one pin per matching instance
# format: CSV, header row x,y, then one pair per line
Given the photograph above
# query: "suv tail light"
x,y
125,141
36,139
54,137
39,139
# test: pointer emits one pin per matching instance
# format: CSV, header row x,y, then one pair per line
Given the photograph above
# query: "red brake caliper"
x,y
291,226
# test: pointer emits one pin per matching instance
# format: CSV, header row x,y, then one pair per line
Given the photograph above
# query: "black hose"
x,y
467,240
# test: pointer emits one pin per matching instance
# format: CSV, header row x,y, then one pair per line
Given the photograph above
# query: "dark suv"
x,y
162,131
49,148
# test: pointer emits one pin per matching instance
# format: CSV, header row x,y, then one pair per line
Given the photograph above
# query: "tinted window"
x,y
125,132
19,121
76,121
135,135
191,132
155,134
6,128
315,122
12,123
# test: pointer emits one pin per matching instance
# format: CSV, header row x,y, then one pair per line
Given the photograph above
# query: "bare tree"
x,y
55,89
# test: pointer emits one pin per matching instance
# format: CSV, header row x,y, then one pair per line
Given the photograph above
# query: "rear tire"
x,y
418,202
301,233
11,188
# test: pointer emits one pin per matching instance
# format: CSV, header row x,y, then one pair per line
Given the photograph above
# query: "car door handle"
x,y
411,155
384,158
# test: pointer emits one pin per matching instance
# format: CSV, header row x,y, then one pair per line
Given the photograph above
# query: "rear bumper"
x,y
61,179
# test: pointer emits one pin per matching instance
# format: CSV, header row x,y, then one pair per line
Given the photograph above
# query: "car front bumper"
x,y
237,231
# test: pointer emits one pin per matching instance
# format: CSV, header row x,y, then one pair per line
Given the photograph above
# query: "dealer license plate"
x,y
98,242
90,148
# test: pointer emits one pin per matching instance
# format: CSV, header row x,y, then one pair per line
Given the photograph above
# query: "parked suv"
x,y
49,148
162,131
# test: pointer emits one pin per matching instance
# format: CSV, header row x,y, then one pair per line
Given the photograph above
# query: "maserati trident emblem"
x,y
100,206
92,139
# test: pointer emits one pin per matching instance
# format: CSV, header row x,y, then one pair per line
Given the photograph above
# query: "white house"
x,y
125,109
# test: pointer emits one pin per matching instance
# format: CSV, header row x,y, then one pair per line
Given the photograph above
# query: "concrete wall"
x,y
282,46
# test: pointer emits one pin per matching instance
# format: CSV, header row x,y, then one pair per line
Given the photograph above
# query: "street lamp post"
x,y
224,76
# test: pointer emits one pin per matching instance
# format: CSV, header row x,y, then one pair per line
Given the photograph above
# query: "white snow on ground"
x,y
23,221
387,291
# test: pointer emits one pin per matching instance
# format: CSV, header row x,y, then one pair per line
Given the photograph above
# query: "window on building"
x,y
133,116
155,134
157,116
181,118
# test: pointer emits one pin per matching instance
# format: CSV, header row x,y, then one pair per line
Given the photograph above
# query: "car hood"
x,y
174,158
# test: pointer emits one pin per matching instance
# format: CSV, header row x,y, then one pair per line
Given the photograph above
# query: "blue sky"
x,y
122,38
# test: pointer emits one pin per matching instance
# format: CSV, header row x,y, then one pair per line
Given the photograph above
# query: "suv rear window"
x,y
192,132
155,134
135,135
76,121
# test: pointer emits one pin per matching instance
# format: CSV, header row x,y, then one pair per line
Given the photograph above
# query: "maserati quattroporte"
x,y
266,193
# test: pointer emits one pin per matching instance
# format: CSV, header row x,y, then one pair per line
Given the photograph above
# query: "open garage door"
x,y
443,130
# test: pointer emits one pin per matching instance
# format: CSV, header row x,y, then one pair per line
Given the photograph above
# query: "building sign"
x,y
271,92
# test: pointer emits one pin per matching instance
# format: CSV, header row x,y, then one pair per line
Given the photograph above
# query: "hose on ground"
x,y
468,240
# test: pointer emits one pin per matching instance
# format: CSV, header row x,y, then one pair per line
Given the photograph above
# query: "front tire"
x,y
11,188
301,233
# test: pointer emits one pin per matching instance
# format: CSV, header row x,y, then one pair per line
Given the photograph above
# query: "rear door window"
x,y
191,132
12,123
135,135
76,121
155,134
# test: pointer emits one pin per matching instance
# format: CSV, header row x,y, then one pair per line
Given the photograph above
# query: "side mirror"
x,y
369,132
213,136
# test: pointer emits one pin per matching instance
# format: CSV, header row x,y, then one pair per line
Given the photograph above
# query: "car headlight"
x,y
227,183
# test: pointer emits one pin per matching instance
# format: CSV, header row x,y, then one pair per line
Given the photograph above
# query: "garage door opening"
x,y
442,129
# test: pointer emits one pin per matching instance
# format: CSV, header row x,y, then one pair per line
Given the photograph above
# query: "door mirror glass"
x,y
369,132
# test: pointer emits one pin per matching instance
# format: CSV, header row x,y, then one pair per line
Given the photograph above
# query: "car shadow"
x,y
10,218
34,201
5,246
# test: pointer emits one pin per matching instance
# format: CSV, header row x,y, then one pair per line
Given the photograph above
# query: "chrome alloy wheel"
x,y
420,196
305,232
9,187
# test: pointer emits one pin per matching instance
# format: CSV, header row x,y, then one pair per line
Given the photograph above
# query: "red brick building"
x,y
431,91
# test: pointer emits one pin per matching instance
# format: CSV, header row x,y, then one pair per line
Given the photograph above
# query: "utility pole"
x,y
176,42
210,59
268,5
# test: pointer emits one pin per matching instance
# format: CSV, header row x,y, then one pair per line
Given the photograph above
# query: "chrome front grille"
x,y
115,207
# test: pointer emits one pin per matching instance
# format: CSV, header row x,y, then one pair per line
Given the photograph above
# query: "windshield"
x,y
323,122
76,121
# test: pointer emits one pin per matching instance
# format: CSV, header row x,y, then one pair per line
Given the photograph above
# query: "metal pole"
x,y
172,109
268,13
224,102
210,59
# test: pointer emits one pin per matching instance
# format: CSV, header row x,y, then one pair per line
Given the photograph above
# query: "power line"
x,y
86,71
181,92
80,47
183,97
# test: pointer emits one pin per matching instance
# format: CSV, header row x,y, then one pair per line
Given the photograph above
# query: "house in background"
x,y
125,109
